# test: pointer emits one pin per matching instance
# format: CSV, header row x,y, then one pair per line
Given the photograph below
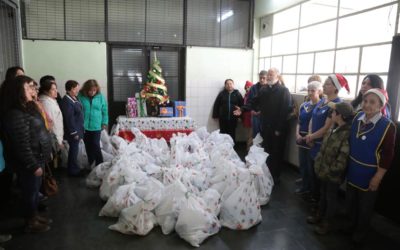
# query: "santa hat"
x,y
381,93
339,81
248,84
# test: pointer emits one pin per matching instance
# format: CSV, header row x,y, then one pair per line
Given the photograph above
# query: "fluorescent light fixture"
x,y
225,16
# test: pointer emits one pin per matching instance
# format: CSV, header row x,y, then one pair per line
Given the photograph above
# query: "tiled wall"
x,y
206,71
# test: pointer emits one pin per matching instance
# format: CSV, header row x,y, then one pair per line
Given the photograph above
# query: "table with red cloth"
x,y
154,127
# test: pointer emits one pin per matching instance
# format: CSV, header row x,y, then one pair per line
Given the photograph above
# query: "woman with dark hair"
x,y
371,81
13,72
73,125
28,144
95,112
47,96
227,101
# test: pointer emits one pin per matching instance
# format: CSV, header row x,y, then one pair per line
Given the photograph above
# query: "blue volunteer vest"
x,y
319,115
364,155
305,114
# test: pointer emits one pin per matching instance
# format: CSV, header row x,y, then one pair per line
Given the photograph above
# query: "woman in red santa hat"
x,y
372,140
320,123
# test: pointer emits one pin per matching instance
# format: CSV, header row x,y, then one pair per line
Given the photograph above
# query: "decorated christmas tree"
x,y
155,89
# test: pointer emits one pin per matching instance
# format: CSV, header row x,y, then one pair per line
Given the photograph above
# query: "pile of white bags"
x,y
194,186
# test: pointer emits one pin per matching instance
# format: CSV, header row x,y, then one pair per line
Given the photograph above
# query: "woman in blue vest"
x,y
321,122
305,113
95,112
372,142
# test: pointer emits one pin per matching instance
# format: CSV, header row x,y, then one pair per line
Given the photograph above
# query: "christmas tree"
x,y
155,89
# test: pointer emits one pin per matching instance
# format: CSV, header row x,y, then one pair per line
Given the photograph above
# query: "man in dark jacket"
x,y
224,106
274,103
254,90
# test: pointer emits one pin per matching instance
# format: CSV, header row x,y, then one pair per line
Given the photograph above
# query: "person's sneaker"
x,y
34,226
5,237
44,220
313,219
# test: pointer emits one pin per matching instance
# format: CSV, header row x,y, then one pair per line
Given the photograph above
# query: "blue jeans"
x,y
92,145
73,167
305,168
30,185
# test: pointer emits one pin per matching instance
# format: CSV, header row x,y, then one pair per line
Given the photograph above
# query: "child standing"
x,y
331,162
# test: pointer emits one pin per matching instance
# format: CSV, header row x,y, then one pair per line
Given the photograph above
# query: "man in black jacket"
x,y
274,103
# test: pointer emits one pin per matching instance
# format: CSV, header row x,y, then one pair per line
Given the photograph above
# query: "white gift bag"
x,y
135,220
195,223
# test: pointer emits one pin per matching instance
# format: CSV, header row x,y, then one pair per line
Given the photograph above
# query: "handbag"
x,y
49,184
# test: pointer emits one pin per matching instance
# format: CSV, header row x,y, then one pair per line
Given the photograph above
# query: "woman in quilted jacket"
x,y
95,113
28,145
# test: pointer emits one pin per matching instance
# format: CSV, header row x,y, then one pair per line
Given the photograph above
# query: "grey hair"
x,y
315,85
275,70
263,73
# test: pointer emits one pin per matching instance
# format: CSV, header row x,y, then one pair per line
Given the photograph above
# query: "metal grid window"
x,y
330,40
84,20
9,47
124,12
215,23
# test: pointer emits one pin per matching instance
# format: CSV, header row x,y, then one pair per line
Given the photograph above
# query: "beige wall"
x,y
206,71
65,60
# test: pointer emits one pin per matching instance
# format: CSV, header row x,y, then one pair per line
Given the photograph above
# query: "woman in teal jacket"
x,y
95,114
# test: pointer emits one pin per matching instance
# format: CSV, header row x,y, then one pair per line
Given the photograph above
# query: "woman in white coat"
x,y
47,96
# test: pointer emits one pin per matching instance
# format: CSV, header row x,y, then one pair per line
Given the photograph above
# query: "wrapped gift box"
x,y
166,112
180,108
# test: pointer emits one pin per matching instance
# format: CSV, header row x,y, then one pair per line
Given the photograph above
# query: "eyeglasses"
x,y
34,87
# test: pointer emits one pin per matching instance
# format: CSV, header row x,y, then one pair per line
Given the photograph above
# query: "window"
x,y
265,46
276,62
43,19
305,63
318,10
84,20
282,22
164,21
285,43
234,14
289,81
347,60
123,12
351,6
202,25
216,23
9,47
324,62
377,26
376,58
289,65
318,37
